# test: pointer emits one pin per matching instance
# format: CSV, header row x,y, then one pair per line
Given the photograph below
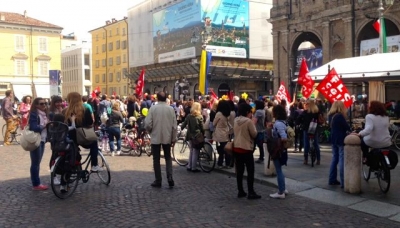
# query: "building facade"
x,y
29,49
110,57
76,70
334,29
166,39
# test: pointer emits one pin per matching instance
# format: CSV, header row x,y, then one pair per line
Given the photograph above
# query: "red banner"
x,y
333,89
305,80
283,94
140,84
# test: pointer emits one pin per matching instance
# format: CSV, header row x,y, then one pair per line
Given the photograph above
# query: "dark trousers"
x,y
364,148
259,141
223,155
242,160
156,150
298,140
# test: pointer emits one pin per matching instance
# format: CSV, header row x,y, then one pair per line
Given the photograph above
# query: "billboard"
x,y
369,47
226,27
313,58
177,32
55,81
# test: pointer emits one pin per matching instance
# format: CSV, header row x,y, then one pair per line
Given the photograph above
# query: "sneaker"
x,y
171,182
96,168
40,187
118,153
112,154
63,189
286,192
253,195
277,196
56,181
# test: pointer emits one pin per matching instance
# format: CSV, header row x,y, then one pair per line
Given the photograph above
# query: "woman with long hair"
x,y
310,114
132,106
113,127
221,132
83,118
376,131
24,108
194,123
259,122
56,106
339,128
37,123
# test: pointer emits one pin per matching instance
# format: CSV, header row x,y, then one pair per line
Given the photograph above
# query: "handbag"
x,y
312,127
30,140
85,136
198,140
229,147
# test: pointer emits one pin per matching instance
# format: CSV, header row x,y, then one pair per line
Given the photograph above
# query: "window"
x,y
117,31
97,49
97,63
123,31
118,60
110,32
110,77
97,37
124,72
43,68
97,78
86,61
124,58
118,76
87,74
104,62
110,46
118,44
124,44
103,78
103,47
19,43
42,44
20,67
110,61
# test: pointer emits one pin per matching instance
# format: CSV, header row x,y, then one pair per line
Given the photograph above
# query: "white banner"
x,y
177,55
369,47
221,51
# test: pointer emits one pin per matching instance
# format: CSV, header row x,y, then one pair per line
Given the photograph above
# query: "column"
x,y
276,42
326,44
348,42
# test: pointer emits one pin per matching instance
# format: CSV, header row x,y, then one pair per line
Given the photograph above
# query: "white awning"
x,y
370,66
42,91
21,90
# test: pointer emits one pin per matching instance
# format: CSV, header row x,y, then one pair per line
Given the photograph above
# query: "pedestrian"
x,y
113,128
8,115
339,128
213,112
298,128
24,108
132,107
161,124
243,148
56,107
279,132
104,105
194,123
37,122
221,133
259,122
88,106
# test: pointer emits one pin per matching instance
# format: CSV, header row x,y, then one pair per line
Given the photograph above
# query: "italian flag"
x,y
379,26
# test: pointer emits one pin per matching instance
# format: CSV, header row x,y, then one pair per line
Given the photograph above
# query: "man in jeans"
x,y
8,115
161,124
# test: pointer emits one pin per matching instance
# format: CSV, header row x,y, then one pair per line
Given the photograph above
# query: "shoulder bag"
x,y
85,136
30,140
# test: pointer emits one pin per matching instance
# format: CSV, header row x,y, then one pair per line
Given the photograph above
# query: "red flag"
x,y
305,80
333,89
377,26
283,93
140,83
114,93
94,94
97,89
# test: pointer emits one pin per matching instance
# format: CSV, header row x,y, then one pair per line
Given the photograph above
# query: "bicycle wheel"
x,y
366,171
396,140
207,158
181,152
68,176
104,175
383,176
146,144
125,146
16,135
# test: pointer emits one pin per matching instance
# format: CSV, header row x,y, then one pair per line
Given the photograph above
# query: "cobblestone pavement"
x,y
197,200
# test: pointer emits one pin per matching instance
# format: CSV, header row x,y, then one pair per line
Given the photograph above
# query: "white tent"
x,y
370,66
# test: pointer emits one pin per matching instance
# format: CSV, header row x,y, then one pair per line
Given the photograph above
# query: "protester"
x,y
161,124
24,108
243,145
339,129
113,128
37,123
8,115
221,133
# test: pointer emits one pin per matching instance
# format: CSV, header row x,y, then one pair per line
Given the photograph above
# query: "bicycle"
x,y
325,134
67,165
135,142
207,157
378,162
15,135
103,141
395,135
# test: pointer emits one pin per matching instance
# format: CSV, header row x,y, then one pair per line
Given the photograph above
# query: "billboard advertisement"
x,y
226,27
55,82
369,47
177,31
313,58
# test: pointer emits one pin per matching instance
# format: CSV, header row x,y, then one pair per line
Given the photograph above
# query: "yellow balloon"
x,y
145,111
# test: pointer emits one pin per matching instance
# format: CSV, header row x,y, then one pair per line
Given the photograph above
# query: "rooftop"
x,y
23,19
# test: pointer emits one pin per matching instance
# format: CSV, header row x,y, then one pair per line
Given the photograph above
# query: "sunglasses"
x,y
42,103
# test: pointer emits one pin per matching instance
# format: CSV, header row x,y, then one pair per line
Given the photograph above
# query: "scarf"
x,y
43,121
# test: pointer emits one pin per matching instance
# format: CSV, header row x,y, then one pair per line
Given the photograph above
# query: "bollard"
x,y
352,164
271,170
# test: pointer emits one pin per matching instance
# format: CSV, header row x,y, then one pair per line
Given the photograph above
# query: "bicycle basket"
x,y
57,133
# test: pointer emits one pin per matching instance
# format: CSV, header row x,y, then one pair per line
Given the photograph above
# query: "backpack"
x,y
290,136
140,123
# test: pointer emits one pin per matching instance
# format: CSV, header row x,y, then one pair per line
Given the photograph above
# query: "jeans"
x,y
337,157
156,150
114,132
242,160
36,158
193,157
307,145
259,141
223,155
279,176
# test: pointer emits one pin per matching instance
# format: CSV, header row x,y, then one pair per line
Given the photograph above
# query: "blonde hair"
x,y
312,107
338,107
116,106
75,106
196,109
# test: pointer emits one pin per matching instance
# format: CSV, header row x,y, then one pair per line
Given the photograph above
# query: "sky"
x,y
75,16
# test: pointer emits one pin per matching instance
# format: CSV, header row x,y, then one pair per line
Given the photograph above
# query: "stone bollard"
x,y
352,164
271,170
